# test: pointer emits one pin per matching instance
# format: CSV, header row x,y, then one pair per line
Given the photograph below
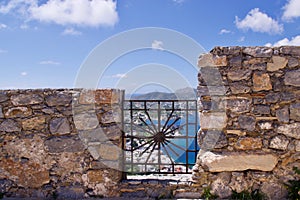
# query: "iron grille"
x,y
160,136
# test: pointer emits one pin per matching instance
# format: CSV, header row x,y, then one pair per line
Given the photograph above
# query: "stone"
x,y
3,97
247,122
291,50
261,110
237,162
258,52
87,97
86,121
211,90
239,104
64,144
279,142
290,130
239,182
235,61
209,60
26,99
239,88
297,145
283,114
274,191
277,64
60,126
239,74
261,81
265,125
10,126
248,143
295,111
212,139
111,116
27,175
211,76
292,78
272,97
221,189
286,96
293,62
59,99
16,112
35,123
108,96
213,120
95,176
70,192
109,152
5,185
1,113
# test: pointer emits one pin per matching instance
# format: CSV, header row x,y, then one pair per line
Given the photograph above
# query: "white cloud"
x,y
242,39
178,1
49,62
291,10
295,41
224,31
71,31
3,26
158,45
24,73
24,26
119,76
92,13
259,22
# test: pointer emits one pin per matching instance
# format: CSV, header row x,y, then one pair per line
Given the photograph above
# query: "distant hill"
x,y
184,94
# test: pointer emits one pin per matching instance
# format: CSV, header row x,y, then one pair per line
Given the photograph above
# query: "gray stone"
x,y
247,122
283,114
239,182
291,50
5,185
261,110
239,88
17,112
297,145
26,99
287,96
274,191
237,162
239,104
86,121
3,97
220,188
62,144
279,142
239,74
70,192
293,62
258,52
295,111
235,61
290,130
94,135
10,126
60,126
59,99
1,112
272,97
292,78
211,90
211,76
213,120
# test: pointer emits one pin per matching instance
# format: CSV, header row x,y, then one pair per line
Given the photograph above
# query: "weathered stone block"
x,y
86,121
277,64
247,122
26,99
295,111
248,143
209,60
291,50
5,185
297,145
240,182
95,176
211,76
261,110
237,162
293,62
235,61
213,120
220,187
70,192
35,123
3,97
109,152
272,97
279,142
292,78
211,90
274,191
1,112
60,126
59,99
239,74
239,88
10,126
239,104
64,144
265,125
290,130
16,112
283,114
258,52
261,81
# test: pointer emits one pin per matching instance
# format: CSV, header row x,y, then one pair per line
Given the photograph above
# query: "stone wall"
x,y
60,143
249,100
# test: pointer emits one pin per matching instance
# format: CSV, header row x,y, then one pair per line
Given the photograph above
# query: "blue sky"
x,y
44,43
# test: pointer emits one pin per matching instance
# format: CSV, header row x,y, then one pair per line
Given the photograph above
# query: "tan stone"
x,y
277,64
95,176
209,60
297,144
109,152
87,97
261,81
236,132
213,120
35,123
248,143
237,162
17,112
